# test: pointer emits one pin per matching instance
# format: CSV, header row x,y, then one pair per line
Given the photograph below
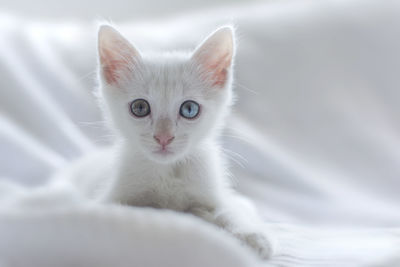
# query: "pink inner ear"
x,y
219,70
215,56
117,56
220,78
114,66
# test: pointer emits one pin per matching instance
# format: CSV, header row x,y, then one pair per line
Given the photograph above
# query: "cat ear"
x,y
116,55
215,55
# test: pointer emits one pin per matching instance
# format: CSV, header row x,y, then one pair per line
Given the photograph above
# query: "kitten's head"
x,y
164,105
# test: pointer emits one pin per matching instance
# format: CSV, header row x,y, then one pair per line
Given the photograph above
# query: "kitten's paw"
x,y
258,242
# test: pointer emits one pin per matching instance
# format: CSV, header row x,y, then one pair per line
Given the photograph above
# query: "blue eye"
x,y
189,109
140,108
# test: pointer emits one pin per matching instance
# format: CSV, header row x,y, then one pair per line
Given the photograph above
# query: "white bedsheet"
x,y
315,134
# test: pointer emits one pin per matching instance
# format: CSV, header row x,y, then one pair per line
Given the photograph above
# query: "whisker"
x,y
237,137
104,139
235,157
86,75
241,86
102,124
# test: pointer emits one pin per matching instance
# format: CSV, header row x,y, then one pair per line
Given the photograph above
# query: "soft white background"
x,y
314,135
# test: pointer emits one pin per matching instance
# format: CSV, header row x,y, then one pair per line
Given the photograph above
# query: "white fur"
x,y
192,177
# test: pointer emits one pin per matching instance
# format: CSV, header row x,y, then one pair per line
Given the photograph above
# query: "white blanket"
x,y
314,139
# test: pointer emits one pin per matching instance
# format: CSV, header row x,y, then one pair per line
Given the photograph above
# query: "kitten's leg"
x,y
243,224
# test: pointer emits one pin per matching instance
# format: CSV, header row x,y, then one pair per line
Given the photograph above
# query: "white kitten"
x,y
166,110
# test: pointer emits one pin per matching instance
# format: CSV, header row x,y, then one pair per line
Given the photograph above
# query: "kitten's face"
x,y
165,105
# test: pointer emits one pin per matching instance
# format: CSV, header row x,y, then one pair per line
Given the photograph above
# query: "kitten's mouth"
x,y
163,151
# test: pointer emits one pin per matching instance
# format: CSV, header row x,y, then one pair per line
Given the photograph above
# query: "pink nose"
x,y
164,139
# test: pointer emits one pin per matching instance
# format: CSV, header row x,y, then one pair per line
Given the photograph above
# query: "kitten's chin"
x,y
164,156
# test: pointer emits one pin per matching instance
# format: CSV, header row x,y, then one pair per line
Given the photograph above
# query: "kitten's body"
x,y
187,173
122,175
